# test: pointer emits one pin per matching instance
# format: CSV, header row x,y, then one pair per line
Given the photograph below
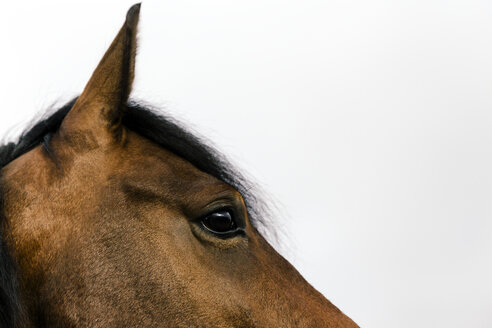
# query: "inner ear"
x,y
99,109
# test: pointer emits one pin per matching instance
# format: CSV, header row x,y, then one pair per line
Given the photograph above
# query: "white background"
x,y
368,121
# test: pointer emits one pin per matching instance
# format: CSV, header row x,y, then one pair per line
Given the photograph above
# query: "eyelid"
x,y
220,202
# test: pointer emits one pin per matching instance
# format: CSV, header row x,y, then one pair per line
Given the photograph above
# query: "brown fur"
x,y
105,234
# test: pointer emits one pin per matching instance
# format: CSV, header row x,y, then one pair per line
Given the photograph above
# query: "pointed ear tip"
x,y
132,15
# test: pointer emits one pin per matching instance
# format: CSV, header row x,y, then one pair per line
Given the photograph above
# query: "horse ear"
x,y
100,107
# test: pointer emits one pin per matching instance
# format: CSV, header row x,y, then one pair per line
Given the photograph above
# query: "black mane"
x,y
145,121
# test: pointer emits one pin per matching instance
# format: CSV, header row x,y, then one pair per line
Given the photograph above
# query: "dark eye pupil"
x,y
220,222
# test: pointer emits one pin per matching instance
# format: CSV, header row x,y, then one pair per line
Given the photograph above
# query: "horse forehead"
x,y
147,161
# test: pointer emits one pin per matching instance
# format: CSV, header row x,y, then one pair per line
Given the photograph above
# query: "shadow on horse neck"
x,y
115,215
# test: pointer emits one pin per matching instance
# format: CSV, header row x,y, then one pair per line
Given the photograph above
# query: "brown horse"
x,y
114,216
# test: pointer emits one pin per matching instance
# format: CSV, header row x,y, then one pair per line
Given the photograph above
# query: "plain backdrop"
x,y
368,122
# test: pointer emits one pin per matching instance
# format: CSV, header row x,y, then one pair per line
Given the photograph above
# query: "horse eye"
x,y
220,222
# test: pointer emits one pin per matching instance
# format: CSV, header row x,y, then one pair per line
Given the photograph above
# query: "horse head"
x,y
116,216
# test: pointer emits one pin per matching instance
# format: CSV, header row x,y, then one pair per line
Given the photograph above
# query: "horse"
x,y
114,215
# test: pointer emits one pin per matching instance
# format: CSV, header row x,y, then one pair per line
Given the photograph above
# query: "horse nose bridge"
x,y
305,307
298,304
